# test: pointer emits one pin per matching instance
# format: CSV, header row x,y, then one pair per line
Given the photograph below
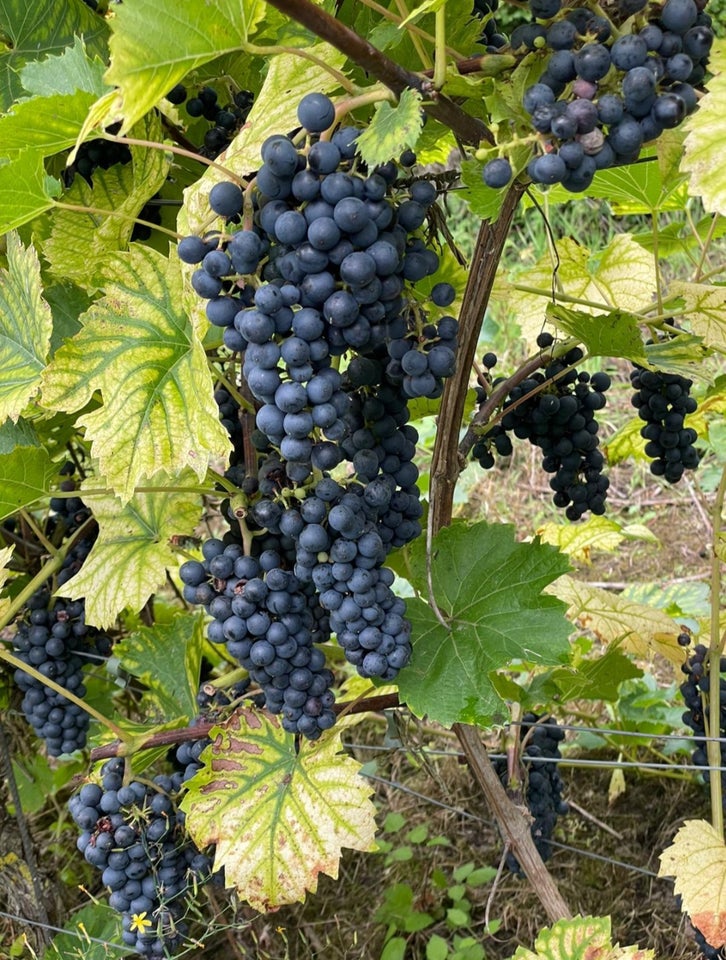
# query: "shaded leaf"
x,y
166,658
612,334
392,129
682,354
488,589
278,817
96,920
26,475
18,434
581,938
137,348
703,158
193,34
697,860
639,628
71,70
129,560
25,190
25,327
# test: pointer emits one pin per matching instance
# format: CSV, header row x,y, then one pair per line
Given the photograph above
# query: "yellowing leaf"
x,y
697,860
640,628
705,305
581,938
278,817
25,328
578,540
129,559
5,555
138,350
703,158
392,129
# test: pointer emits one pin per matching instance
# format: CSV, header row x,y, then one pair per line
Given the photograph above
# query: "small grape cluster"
x,y
133,832
226,120
490,35
541,738
663,402
604,94
555,411
96,153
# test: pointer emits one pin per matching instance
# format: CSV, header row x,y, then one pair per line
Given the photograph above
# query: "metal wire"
x,y
71,933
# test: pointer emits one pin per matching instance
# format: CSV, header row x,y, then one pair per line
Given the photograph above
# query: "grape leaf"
x,y
25,189
40,28
683,354
26,475
67,302
71,70
581,938
597,679
639,628
5,555
392,129
129,559
80,242
578,540
278,815
703,158
137,348
192,35
487,624
697,860
96,920
18,434
25,328
611,334
483,201
705,305
167,659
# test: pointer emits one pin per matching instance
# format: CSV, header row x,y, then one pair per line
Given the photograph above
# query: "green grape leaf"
x,y
137,348
705,305
611,334
71,70
483,201
80,242
18,434
703,159
26,475
278,814
98,921
392,129
167,659
615,619
193,34
488,589
129,560
428,6
25,327
620,277
596,679
581,938
42,28
683,354
67,302
25,189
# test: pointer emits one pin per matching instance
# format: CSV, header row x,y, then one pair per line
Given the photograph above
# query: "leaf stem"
x,y
338,75
415,39
713,747
80,208
180,151
656,264
440,49
28,518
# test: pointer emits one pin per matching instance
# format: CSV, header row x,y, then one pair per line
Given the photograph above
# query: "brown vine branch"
x,y
171,738
445,469
468,129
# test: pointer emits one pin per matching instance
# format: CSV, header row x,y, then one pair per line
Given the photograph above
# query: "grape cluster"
x,y
133,832
555,410
541,739
663,402
325,267
490,35
97,153
603,93
225,120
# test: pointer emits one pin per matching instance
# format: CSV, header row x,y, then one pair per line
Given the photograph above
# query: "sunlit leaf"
x,y
25,190
697,860
578,540
5,555
705,305
25,327
612,334
703,158
581,938
129,560
138,350
279,816
392,129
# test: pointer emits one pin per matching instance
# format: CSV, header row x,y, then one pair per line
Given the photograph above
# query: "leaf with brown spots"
x,y
582,938
278,816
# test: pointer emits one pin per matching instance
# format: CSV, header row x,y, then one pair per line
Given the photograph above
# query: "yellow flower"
x,y
139,923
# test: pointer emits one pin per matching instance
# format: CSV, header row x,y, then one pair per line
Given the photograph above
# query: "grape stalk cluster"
x,y
663,401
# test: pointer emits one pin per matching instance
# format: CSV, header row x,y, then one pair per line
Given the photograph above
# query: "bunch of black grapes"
x,y
225,120
604,94
663,401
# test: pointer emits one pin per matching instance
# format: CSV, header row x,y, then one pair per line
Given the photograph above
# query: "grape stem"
x,y
322,24
302,52
179,151
81,208
713,747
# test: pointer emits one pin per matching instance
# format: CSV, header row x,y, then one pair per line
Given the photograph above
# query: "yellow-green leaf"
x,y
166,658
25,189
26,475
613,334
25,328
392,129
705,305
137,348
578,540
80,242
130,558
5,555
640,629
190,35
697,860
703,158
279,816
581,938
